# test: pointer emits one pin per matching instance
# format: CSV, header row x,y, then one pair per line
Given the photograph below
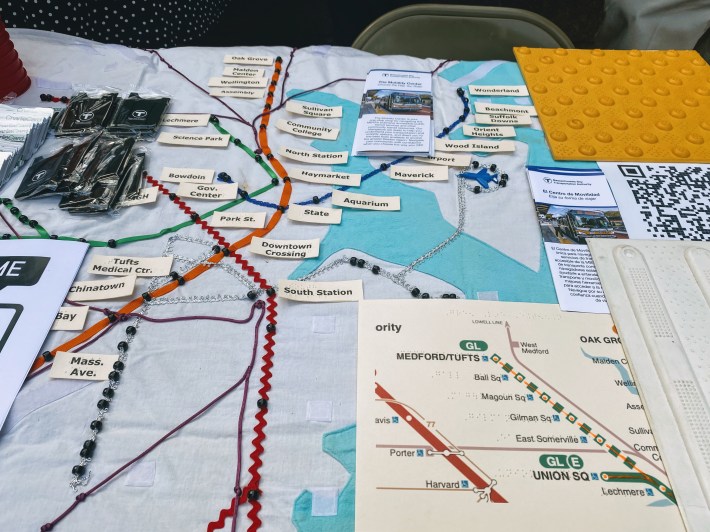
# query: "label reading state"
x,y
320,292
516,120
488,132
305,130
498,90
246,59
82,366
183,139
70,319
187,175
313,110
446,159
239,219
139,266
208,192
185,120
237,82
145,195
285,249
326,178
314,215
503,109
236,92
474,145
419,173
104,289
363,201
315,157
243,72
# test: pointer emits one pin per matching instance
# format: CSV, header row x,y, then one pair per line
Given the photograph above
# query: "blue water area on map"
x,y
624,373
339,444
661,503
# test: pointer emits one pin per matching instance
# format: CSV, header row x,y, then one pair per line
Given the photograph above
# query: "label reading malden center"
x,y
321,292
208,192
285,249
82,366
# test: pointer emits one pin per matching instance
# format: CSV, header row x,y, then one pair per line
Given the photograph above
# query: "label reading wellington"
x,y
70,318
208,192
306,130
285,249
187,175
364,201
313,110
243,59
321,292
315,157
184,120
258,83
139,266
239,219
475,145
314,215
419,173
185,139
103,289
82,366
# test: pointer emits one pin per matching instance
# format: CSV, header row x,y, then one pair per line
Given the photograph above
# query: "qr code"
x,y
673,200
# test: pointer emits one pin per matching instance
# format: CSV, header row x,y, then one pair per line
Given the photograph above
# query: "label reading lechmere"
x,y
82,366
185,120
285,249
321,292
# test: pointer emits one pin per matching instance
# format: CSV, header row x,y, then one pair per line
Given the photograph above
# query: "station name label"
x,y
419,173
314,215
82,366
313,110
475,145
306,130
513,120
243,72
185,139
315,157
363,201
285,249
325,177
145,195
255,220
230,81
103,289
208,192
498,90
505,109
237,92
187,175
447,159
70,318
321,292
139,266
248,59
185,120
488,132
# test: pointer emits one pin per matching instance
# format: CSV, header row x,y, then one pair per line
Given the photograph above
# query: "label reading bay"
x,y
208,192
446,159
498,90
103,289
305,130
139,266
184,139
70,318
500,108
82,366
243,59
321,292
184,120
313,110
237,92
255,220
237,82
326,178
243,72
488,132
475,145
419,173
315,157
515,120
314,215
145,195
187,175
285,249
363,201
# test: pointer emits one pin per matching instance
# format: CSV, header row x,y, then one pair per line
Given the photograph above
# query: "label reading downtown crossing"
x,y
320,292
103,289
306,130
325,177
285,249
363,201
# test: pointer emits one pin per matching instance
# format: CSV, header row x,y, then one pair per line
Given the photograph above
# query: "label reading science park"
x,y
321,292
253,220
306,130
186,139
314,215
285,249
208,192
82,366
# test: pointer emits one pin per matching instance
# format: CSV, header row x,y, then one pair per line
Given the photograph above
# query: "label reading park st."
x,y
252,220
82,366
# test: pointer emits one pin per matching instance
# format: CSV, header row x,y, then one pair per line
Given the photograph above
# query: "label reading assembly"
x,y
145,195
103,289
237,82
247,59
320,292
305,130
516,120
139,266
446,159
313,110
70,318
184,139
363,201
326,178
187,175
243,72
498,90
314,215
315,157
253,220
419,173
82,366
237,92
185,120
488,132
208,192
475,145
285,249
505,109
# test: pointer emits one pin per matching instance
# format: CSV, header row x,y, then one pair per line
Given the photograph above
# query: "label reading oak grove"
x,y
326,178
314,215
236,92
500,108
184,120
315,157
145,195
488,132
516,120
363,201
305,130
139,266
252,220
103,289
187,175
184,139
498,90
82,366
285,249
313,110
208,192
247,59
70,318
446,159
474,145
419,173
237,82
243,72
321,292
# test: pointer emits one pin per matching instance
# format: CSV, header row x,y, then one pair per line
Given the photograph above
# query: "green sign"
x,y
561,461
473,345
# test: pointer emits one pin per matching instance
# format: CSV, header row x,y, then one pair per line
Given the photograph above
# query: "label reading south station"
x,y
314,215
187,175
504,109
326,178
70,318
313,110
82,366
239,219
139,266
498,90
243,72
488,132
475,145
314,157
237,82
237,92
306,130
185,139
242,59
208,192
515,120
145,195
364,201
419,173
103,289
285,249
321,292
446,159
184,120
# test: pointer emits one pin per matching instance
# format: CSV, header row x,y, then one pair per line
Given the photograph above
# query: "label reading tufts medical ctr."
x,y
499,108
208,192
498,90
145,195
82,366
446,159
236,92
313,110
254,220
139,266
285,249
184,120
315,157
475,145
514,120
306,130
186,139
187,175
70,318
419,173
314,215
243,72
248,59
488,132
326,178
104,289
237,82
321,292
363,201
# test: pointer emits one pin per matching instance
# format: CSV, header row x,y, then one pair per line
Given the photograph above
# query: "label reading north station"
x,y
187,175
243,72
184,139
255,220
515,120
504,109
488,132
305,130
103,289
475,145
70,318
314,215
498,90
321,292
237,82
139,266
313,110
326,178
285,249
363,201
314,157
242,59
145,195
419,173
184,120
236,92
82,366
446,159
208,192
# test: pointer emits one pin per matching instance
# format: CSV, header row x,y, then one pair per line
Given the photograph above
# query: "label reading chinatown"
x,y
103,289
320,292
363,201
285,249
208,192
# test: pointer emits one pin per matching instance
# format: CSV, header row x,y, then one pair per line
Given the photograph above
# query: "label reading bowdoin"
x,y
184,120
237,92
239,219
498,90
184,139
82,366
305,130
504,109
243,72
326,178
208,192
419,173
70,318
139,266
313,110
320,292
447,159
315,157
363,201
488,132
145,195
237,82
187,175
246,59
314,215
475,145
285,249
104,289
515,120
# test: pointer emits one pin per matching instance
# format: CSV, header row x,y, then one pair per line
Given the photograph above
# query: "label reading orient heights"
x,y
237,82
314,215
488,132
82,366
514,120
139,266
185,139
326,178
184,120
498,90
247,59
103,289
363,201
285,249
313,110
314,157
254,220
70,318
208,192
306,130
187,175
320,292
419,173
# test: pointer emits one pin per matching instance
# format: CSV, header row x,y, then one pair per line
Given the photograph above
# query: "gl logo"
x,y
39,175
139,114
86,116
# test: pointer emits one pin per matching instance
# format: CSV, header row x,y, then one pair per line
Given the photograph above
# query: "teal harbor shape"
x,y
623,372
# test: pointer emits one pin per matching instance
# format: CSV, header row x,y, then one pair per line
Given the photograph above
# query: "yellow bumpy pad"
x,y
621,105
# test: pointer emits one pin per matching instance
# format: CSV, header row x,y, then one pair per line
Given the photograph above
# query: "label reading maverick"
x,y
419,173
239,219
313,110
185,139
246,59
314,215
208,192
237,82
305,130
285,249
82,366
475,145
139,266
70,318
320,292
326,178
187,175
103,289
363,201
184,120
315,157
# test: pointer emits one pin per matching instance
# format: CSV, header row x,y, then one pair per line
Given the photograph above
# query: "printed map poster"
x,y
471,416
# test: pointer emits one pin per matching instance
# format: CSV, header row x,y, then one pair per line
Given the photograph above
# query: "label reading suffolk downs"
x,y
82,366
314,215
186,139
306,130
321,292
285,249
313,110
364,201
